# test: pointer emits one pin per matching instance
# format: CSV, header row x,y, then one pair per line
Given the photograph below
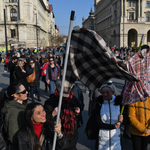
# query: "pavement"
x,y
83,142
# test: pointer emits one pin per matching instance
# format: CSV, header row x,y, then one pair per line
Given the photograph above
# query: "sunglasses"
x,y
23,92
109,83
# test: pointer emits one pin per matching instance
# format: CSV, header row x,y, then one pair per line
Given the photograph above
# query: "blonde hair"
x,y
19,63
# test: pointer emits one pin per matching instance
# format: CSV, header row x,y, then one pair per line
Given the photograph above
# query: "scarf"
x,y
68,118
37,128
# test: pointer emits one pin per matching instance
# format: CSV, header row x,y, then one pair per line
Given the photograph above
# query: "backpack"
x,y
78,94
6,60
91,129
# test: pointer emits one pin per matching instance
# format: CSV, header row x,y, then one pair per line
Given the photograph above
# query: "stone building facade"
x,y
89,22
123,22
29,23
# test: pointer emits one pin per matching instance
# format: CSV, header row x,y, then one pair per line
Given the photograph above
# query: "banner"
x,y
4,48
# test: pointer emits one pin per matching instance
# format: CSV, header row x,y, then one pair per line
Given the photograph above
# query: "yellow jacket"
x,y
139,115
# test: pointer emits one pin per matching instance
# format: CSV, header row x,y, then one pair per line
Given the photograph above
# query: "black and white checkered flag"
x,y
91,61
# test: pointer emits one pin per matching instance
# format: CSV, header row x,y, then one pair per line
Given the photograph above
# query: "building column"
x,y
125,8
139,11
122,8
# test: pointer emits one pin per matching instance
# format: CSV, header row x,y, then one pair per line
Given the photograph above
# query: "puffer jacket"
x,y
139,115
13,113
106,116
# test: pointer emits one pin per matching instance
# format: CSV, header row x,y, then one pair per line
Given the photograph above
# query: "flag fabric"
x,y
92,62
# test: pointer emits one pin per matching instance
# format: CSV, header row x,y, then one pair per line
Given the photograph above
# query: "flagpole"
x,y
64,75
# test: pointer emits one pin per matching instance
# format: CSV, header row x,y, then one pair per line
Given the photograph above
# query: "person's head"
x,y
44,60
31,62
21,62
17,91
144,49
50,55
34,113
33,57
107,90
51,60
15,58
57,56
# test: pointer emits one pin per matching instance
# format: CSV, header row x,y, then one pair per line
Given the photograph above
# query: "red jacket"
x,y
43,68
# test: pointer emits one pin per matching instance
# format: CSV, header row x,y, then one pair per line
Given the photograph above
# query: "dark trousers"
x,y
139,142
34,89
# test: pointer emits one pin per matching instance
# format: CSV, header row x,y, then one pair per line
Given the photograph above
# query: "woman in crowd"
x,y
43,68
52,74
30,68
37,134
35,85
69,115
108,119
139,115
13,112
58,60
20,73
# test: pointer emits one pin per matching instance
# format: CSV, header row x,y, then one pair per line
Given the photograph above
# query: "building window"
x,y
148,4
12,0
131,4
13,33
131,15
147,18
13,14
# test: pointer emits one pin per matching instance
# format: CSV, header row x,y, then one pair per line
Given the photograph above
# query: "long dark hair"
x,y
28,128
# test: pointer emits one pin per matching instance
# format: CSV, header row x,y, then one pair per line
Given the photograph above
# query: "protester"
x,y
11,66
13,112
69,115
30,68
37,133
20,72
139,115
107,116
58,60
52,74
43,74
34,87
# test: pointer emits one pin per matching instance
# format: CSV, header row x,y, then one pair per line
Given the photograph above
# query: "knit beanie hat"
x,y
110,85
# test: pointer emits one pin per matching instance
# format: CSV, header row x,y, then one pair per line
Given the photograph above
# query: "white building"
x,y
29,23
123,22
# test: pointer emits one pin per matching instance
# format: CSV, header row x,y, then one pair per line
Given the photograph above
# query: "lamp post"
x,y
36,32
5,31
18,19
123,25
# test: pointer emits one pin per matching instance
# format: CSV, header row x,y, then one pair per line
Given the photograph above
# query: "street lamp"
x,y
5,31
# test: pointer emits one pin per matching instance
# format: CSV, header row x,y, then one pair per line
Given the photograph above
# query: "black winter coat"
x,y
49,106
21,76
25,144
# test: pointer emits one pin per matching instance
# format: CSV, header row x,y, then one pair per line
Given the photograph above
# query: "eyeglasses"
x,y
23,92
51,60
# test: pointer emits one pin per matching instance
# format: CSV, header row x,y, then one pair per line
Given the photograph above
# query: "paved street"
x,y
83,142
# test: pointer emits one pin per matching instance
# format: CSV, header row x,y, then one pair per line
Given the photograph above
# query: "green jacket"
x,y
13,113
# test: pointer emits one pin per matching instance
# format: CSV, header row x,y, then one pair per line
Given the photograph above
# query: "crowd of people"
x,y
29,125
